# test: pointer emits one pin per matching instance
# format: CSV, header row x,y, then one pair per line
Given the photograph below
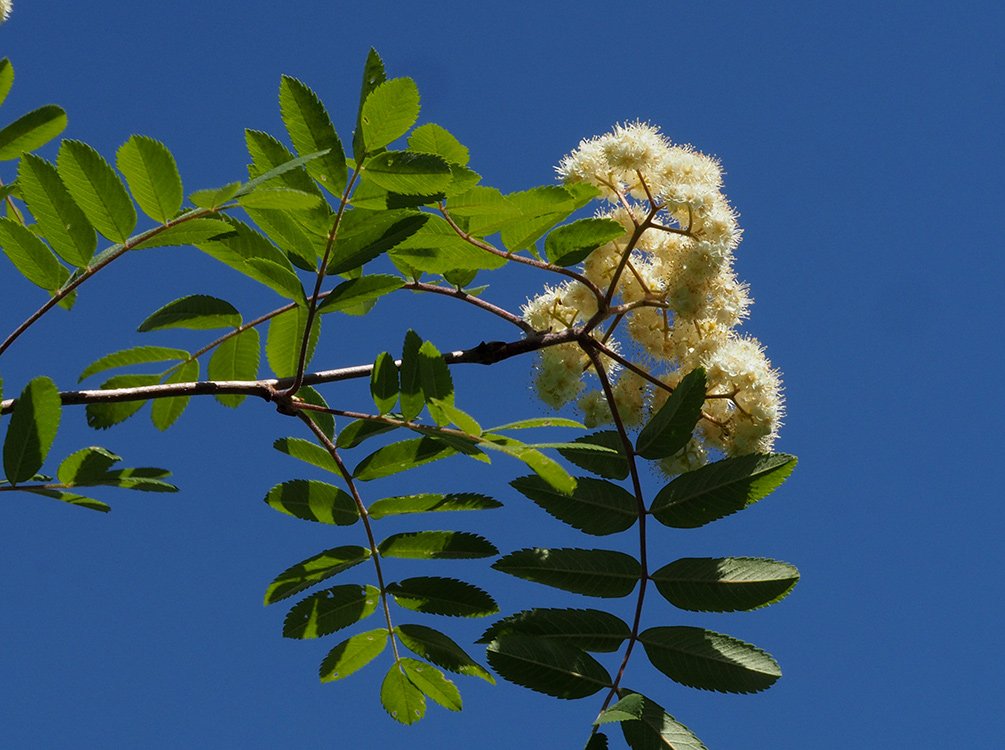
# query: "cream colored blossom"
x,y
6,6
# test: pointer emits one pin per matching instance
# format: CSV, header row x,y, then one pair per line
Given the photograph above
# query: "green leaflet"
x,y
184,232
719,489
586,629
485,210
61,221
708,660
601,573
152,176
268,153
313,500
434,139
358,295
402,700
31,430
137,355
570,244
280,279
437,545
432,683
597,741
6,78
439,649
412,398
31,256
241,246
670,428
363,235
359,430
526,424
647,726
101,416
325,421
409,172
435,381
384,383
401,456
547,667
86,465
284,339
236,358
547,468
594,507
353,654
302,247
313,570
389,110
437,248
71,498
31,131
725,584
195,312
430,503
215,198
611,466
327,611
373,76
96,188
280,198
442,596
165,411
540,209
311,131
309,453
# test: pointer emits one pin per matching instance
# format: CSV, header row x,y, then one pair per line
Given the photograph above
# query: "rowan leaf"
x,y
547,666
725,584
32,428
330,610
313,570
152,175
593,572
313,500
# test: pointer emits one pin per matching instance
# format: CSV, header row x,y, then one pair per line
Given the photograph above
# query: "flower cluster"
x,y
670,281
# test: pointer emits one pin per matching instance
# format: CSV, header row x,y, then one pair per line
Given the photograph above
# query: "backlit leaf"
x,y
363,235
602,573
725,584
401,456
547,666
412,398
188,232
165,411
373,76
437,545
605,464
384,383
313,500
330,610
432,683
586,629
388,112
652,728
442,596
31,131
235,359
311,130
136,355
351,296
308,452
594,507
433,139
285,337
409,172
83,466
670,428
62,222
353,654
101,416
31,256
32,428
152,176
572,243
313,570
96,188
429,503
403,701
195,312
439,649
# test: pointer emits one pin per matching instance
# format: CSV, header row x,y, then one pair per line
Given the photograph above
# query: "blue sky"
x,y
862,144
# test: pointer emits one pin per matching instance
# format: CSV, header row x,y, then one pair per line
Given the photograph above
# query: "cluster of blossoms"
x,y
675,290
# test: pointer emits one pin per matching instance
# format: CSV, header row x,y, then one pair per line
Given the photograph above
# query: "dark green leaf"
x,y
711,661
353,654
437,545
439,649
330,610
593,572
31,256
409,172
401,456
388,112
32,428
311,130
71,498
62,222
152,176
308,452
442,596
31,131
594,507
355,294
384,383
586,629
402,700
313,570
363,235
235,359
433,139
137,355
720,489
312,500
597,741
428,503
285,337
85,466
647,726
605,464
671,427
165,411
195,312
432,683
373,76
96,188
725,584
322,419
102,416
412,398
547,666
572,243
359,430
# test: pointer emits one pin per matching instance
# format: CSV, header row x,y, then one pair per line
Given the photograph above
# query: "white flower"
x,y
6,6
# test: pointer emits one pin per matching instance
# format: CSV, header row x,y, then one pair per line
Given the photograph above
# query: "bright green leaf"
x,y
185,232
6,78
437,248
526,424
593,572
355,294
373,76
401,456
572,243
101,416
280,198
165,411
31,256
432,683
31,131
363,235
412,398
279,279
384,383
61,221
437,545
137,355
429,503
433,139
402,700
32,428
96,188
285,337
388,112
235,359
311,130
409,172
313,500
86,465
152,176
353,654
309,453
359,430
313,570
215,197
720,489
71,498
324,420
